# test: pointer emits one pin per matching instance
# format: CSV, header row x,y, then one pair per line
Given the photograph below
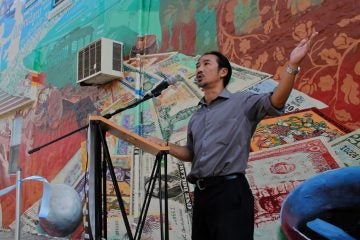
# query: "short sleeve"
x,y
259,105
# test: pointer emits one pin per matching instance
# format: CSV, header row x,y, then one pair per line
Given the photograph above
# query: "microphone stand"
x,y
107,116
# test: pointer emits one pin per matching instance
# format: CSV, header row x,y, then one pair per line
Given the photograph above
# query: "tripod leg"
x,y
166,199
160,197
147,199
104,209
115,184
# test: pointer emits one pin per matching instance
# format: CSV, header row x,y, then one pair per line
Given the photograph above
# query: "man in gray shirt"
x,y
218,145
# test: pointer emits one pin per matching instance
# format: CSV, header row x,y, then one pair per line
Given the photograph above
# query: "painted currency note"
x,y
179,224
149,60
177,64
121,164
347,148
296,101
179,198
135,78
72,171
191,84
292,127
116,227
174,108
243,78
273,173
122,97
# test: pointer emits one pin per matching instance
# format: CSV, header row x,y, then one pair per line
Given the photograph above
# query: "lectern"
x,y
99,161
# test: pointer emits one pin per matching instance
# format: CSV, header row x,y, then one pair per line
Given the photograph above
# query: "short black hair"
x,y
223,62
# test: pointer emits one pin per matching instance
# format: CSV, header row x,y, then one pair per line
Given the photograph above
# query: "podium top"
x,y
129,136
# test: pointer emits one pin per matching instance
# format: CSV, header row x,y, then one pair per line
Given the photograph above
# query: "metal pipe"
x,y
18,204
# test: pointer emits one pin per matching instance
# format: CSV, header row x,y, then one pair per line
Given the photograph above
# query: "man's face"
x,y
208,73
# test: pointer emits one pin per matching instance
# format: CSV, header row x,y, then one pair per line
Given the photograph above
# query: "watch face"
x,y
291,70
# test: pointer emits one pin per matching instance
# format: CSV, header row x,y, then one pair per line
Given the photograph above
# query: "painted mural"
x,y
39,41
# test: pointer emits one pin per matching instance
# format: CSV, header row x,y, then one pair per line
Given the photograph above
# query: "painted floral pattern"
x,y
331,71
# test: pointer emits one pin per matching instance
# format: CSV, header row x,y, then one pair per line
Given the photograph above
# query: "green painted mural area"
x,y
85,22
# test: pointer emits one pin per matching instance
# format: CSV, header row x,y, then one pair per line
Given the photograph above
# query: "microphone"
x,y
161,86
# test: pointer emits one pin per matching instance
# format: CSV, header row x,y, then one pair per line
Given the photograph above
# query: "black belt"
x,y
203,183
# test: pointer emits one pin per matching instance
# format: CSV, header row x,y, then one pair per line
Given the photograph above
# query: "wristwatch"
x,y
291,70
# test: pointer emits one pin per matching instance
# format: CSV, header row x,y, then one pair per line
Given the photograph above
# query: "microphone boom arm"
x,y
107,116
154,93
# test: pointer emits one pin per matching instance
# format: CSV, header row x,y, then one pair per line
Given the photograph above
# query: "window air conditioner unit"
x,y
100,62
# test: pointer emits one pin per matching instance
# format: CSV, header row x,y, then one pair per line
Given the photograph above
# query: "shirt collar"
x,y
224,94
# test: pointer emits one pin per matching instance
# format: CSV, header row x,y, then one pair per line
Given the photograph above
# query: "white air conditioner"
x,y
100,62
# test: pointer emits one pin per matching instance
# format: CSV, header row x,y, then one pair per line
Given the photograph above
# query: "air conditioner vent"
x,y
100,62
118,58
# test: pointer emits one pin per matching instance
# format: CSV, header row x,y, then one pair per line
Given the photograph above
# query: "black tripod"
x,y
97,180
100,162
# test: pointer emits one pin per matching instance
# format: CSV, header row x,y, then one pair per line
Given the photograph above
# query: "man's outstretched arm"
x,y
283,90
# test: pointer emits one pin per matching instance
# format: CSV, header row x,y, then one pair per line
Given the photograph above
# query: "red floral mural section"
x,y
261,34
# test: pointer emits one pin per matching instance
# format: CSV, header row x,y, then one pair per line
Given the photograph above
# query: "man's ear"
x,y
223,72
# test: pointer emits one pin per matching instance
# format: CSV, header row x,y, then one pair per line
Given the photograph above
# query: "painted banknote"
x,y
273,173
116,227
243,78
179,197
147,61
173,110
179,224
120,98
122,170
139,80
179,202
292,127
296,101
176,64
347,147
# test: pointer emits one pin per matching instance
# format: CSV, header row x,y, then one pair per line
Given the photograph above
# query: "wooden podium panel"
x,y
129,136
96,209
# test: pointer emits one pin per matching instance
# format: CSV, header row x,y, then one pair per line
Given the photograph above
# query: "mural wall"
x,y
39,41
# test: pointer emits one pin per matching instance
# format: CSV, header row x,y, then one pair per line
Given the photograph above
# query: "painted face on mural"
x,y
208,74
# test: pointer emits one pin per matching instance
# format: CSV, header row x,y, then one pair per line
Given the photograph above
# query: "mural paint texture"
x,y
38,59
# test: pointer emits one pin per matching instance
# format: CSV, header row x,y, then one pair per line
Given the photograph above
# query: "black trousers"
x,y
224,211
